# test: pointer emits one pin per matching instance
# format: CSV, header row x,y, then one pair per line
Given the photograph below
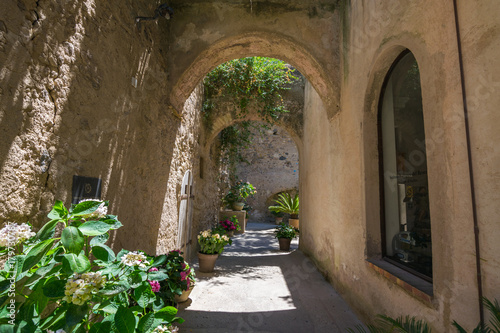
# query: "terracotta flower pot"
x,y
230,233
184,296
279,220
294,223
207,262
284,244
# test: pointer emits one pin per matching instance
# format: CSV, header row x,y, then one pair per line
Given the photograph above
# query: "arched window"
x,y
406,221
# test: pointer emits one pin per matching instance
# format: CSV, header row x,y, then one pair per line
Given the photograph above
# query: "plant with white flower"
x,y
100,212
166,329
13,234
212,243
58,331
134,259
80,288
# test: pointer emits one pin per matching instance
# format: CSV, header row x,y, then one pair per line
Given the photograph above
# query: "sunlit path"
x,y
257,288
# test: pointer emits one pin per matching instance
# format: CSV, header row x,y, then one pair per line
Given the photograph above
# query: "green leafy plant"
x,y
387,324
230,224
253,81
180,275
409,324
75,282
287,205
285,231
212,242
239,192
494,323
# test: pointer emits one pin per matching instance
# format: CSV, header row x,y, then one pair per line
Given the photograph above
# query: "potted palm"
x,y
288,205
285,234
238,194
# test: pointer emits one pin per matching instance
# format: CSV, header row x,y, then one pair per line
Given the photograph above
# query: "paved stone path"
x,y
257,288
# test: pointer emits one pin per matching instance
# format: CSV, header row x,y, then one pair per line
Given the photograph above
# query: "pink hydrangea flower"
x,y
155,286
153,269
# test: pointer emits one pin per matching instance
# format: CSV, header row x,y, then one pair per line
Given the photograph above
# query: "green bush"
x,y
75,282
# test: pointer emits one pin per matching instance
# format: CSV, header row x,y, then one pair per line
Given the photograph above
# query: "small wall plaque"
x,y
86,188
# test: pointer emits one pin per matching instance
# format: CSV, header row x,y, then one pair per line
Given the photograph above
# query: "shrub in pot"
x,y
238,194
285,233
287,205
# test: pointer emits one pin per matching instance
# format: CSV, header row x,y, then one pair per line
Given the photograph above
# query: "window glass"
x,y
407,222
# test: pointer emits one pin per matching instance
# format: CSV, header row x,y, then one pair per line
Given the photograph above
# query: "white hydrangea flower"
x,y
13,234
166,329
80,288
134,259
206,233
225,238
100,212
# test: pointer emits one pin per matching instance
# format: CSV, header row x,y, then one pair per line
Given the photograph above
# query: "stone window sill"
x,y
413,285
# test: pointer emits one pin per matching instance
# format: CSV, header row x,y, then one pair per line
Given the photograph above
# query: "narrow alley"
x,y
257,288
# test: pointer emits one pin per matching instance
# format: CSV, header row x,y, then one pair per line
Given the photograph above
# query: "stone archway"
x,y
257,44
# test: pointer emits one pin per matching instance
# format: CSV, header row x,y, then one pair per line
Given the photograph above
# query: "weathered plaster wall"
x,y
481,44
273,167
68,108
208,33
343,228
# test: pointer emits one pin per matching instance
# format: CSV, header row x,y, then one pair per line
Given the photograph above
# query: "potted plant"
x,y
211,245
181,277
238,194
278,217
230,225
285,233
288,205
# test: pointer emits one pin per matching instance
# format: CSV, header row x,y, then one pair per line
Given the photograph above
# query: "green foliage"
x,y
387,324
246,80
409,324
239,192
494,322
52,283
212,242
254,81
285,231
286,204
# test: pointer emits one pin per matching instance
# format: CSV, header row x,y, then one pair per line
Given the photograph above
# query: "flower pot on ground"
x,y
211,245
284,244
184,296
285,204
285,234
294,223
207,262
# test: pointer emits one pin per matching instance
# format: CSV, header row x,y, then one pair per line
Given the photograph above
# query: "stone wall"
x,y
273,167
69,106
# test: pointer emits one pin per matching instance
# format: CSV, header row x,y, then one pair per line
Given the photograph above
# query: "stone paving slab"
x,y
257,288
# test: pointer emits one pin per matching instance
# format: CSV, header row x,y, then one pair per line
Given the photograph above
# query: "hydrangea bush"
x,y
230,224
75,282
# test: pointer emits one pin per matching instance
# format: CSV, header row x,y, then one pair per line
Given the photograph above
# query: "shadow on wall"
x,y
77,100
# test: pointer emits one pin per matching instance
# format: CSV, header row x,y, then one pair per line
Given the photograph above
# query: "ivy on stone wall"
x,y
255,81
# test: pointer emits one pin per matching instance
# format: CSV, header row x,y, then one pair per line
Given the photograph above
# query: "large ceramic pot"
x,y
184,296
294,223
207,262
284,244
237,205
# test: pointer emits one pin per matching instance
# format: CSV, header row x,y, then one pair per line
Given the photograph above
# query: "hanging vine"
x,y
255,81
